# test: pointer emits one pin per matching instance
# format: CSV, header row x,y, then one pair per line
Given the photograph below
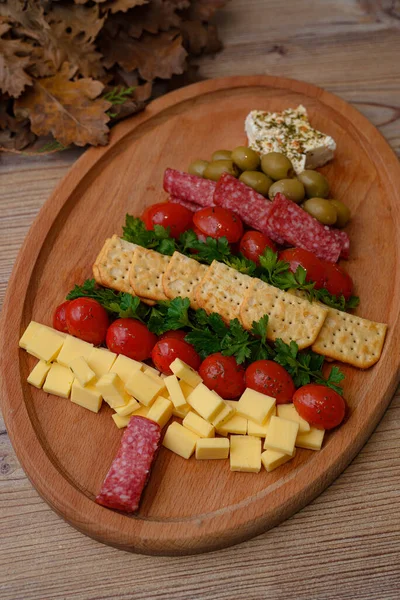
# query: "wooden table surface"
x,y
346,544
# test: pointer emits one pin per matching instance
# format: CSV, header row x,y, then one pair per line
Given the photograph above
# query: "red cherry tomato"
x,y
168,349
200,236
217,222
176,334
337,281
312,264
59,321
223,375
178,218
253,244
269,378
87,320
320,406
130,338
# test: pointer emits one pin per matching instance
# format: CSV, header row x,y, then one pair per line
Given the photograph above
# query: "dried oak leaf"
x,y
14,135
203,10
14,59
200,37
122,5
70,110
159,15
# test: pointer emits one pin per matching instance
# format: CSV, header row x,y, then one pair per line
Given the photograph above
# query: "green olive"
x,y
322,210
245,158
291,188
343,213
215,169
256,180
277,166
315,184
197,167
221,155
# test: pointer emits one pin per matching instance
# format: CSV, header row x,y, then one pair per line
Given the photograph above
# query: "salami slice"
x,y
251,206
130,469
189,187
298,228
344,240
190,205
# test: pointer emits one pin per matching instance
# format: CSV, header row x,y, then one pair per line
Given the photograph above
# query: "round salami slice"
x,y
189,187
189,205
130,469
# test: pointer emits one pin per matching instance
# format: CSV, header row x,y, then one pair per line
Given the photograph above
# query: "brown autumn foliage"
x,y
69,69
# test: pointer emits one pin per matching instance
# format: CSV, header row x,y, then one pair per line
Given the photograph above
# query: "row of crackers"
x,y
153,277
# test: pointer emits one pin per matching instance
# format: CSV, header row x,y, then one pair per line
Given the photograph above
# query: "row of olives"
x,y
273,173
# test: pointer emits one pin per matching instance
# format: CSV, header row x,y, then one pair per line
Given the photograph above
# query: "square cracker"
x,y
222,290
350,339
146,273
290,317
182,276
96,270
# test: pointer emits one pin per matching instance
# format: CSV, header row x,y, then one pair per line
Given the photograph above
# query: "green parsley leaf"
x,y
158,239
205,342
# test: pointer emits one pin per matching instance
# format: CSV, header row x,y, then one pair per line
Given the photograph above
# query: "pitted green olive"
x,y
343,213
216,168
256,180
291,188
245,158
197,167
315,184
221,155
323,210
277,166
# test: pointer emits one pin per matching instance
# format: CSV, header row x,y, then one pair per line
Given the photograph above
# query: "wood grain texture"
x,y
346,543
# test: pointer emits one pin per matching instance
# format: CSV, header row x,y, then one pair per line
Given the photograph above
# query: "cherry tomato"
x,y
312,264
253,244
217,222
320,406
176,334
59,321
168,349
269,378
130,338
223,375
337,281
87,320
200,236
178,218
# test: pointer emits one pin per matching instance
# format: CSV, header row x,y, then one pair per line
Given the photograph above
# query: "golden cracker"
x,y
182,276
146,273
95,268
290,317
114,264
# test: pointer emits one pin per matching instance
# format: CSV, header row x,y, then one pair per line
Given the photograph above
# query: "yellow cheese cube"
x,y
186,373
101,360
111,387
150,370
245,454
73,348
182,411
205,402
175,391
88,397
288,411
226,413
28,334
38,374
143,411
211,449
186,388
311,440
236,424
255,406
82,371
281,435
256,429
124,367
160,411
121,422
180,440
272,459
127,409
144,387
59,381
198,425
45,344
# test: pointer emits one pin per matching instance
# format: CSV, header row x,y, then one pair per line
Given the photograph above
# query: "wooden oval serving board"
x,y
191,506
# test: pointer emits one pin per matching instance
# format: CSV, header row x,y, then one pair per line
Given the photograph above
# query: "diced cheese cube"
x,y
205,402
111,387
73,348
88,397
281,435
256,429
272,459
38,374
184,372
45,344
82,371
236,424
29,333
186,388
160,411
255,406
182,411
121,422
143,411
127,409
124,367
101,360
59,381
180,440
144,387
226,413
150,370
288,411
175,391
245,454
211,449
311,440
198,425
